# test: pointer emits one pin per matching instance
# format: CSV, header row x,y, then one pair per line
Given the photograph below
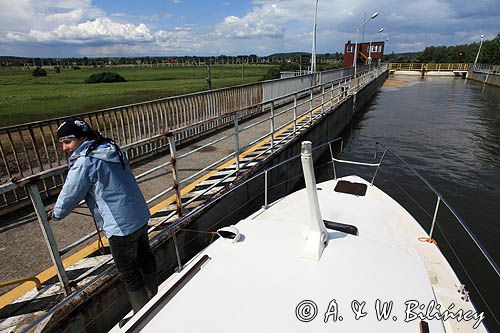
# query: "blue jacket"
x,y
111,192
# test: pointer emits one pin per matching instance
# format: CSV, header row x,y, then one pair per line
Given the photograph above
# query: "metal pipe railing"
x,y
177,182
451,209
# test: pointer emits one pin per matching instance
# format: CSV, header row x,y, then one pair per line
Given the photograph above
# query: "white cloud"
x,y
268,26
246,27
23,15
100,29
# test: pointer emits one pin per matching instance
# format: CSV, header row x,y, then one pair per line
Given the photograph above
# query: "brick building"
x,y
363,52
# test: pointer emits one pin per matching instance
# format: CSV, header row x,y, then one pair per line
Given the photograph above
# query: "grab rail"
x,y
448,205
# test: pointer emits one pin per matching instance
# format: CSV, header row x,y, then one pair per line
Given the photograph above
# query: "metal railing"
x,y
141,129
446,67
177,226
439,199
319,98
486,69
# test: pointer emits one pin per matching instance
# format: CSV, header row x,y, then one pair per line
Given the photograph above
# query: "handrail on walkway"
x,y
142,128
329,94
429,66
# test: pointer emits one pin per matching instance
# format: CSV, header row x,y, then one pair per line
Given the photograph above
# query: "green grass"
x,y
24,98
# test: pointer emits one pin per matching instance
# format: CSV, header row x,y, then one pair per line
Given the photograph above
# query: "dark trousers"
x,y
133,257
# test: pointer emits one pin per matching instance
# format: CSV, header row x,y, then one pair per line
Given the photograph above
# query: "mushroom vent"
x,y
231,233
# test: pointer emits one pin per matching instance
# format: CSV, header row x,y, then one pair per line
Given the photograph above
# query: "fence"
x,y
428,67
487,69
324,96
30,150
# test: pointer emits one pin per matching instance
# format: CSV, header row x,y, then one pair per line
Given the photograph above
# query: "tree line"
x,y
466,53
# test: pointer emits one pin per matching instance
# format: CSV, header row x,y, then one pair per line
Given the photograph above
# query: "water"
x,y
448,129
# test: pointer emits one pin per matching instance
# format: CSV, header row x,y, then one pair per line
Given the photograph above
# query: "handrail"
x,y
34,279
452,210
430,66
50,172
314,92
177,224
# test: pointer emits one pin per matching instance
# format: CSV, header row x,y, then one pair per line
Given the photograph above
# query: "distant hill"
x,y
288,54
405,54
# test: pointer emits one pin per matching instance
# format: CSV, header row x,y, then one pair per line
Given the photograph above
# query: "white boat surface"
x,y
268,282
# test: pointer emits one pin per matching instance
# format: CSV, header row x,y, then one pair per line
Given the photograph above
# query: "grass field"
x,y
24,98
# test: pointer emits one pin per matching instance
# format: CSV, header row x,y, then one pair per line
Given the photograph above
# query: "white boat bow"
x,y
384,279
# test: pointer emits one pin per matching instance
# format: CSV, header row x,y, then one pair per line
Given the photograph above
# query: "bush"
x,y
76,67
58,69
272,73
105,77
39,72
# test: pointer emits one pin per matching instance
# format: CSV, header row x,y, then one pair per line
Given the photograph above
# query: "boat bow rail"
x,y
172,229
329,149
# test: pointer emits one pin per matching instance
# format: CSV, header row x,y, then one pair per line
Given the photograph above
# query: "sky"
x,y
97,28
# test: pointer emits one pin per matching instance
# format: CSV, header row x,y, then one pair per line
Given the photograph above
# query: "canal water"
x,y
448,129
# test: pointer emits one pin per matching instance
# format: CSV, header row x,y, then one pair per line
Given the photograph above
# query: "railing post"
x,y
333,161
311,106
178,256
272,126
265,190
36,199
294,114
322,99
236,142
175,175
378,166
434,218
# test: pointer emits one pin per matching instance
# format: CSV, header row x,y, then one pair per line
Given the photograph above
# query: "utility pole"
x,y
313,57
209,77
242,73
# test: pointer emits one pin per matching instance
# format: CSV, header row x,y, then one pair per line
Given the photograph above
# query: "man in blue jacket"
x,y
100,174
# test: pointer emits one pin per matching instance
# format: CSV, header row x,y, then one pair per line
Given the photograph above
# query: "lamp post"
x,y
313,57
370,47
477,56
356,46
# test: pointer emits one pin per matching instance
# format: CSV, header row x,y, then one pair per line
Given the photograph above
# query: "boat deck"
x,y
261,281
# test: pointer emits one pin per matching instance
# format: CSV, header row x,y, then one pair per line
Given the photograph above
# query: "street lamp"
x,y
356,46
477,56
370,47
313,57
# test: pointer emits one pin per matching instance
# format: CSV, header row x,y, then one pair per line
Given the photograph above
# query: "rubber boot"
x,y
137,299
151,282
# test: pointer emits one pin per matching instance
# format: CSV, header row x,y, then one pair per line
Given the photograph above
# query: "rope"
x,y
200,231
428,240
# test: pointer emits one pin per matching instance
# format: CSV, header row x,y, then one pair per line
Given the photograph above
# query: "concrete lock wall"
x,y
493,79
103,304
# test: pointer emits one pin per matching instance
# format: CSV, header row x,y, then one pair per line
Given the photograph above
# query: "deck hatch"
x,y
357,189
